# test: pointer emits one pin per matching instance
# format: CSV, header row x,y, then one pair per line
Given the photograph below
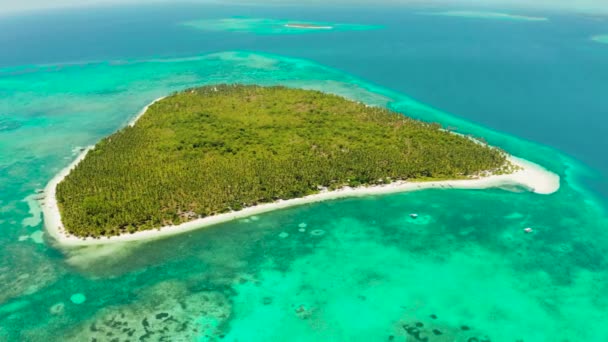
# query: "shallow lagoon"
x,y
362,269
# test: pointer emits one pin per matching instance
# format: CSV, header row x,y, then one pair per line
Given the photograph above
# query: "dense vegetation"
x,y
215,149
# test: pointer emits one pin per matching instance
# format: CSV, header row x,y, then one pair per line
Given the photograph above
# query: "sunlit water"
x,y
355,269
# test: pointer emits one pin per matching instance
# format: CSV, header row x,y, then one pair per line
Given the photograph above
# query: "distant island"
x,y
309,26
486,15
217,153
270,26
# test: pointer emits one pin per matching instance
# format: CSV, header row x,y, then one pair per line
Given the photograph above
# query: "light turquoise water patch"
x,y
360,270
515,216
78,298
264,26
602,38
37,236
35,211
486,15
166,309
13,306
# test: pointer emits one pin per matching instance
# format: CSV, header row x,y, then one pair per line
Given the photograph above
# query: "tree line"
x,y
216,149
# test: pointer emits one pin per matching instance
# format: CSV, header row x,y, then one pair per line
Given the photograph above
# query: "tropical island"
x,y
217,153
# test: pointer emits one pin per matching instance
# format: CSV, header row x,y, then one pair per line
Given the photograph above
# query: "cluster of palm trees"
x,y
220,148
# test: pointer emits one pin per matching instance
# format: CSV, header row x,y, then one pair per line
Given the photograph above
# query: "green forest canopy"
x,y
221,148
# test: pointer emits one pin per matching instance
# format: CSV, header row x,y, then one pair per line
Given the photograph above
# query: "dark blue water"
x,y
544,81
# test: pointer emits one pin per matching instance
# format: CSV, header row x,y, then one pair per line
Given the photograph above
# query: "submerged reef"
x,y
437,331
164,312
34,273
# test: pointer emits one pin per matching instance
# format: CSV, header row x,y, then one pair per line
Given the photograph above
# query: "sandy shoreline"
x,y
144,110
531,176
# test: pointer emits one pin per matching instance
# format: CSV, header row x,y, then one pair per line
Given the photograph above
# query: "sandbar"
x,y
486,15
309,26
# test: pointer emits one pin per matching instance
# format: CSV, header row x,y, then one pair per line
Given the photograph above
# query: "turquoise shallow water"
x,y
487,15
357,269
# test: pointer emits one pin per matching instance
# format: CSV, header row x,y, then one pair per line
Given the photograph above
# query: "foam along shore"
x,y
529,175
142,112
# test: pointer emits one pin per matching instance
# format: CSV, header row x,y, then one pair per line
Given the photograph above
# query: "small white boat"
x,y
414,216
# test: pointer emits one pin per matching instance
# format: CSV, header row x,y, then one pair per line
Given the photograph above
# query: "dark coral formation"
x,y
166,312
437,332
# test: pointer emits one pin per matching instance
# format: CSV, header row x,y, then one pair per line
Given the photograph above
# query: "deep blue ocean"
x,y
360,269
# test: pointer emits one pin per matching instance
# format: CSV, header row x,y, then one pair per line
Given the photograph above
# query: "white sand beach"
x,y
144,110
531,176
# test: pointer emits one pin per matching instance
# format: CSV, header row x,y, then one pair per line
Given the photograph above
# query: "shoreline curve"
x,y
531,176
